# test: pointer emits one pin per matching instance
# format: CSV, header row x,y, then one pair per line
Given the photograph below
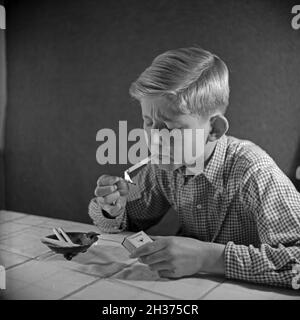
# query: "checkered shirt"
x,y
242,200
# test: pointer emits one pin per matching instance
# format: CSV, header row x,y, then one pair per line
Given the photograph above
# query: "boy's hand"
x,y
111,193
175,257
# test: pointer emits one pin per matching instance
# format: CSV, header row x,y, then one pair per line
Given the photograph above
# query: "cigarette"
x,y
57,243
139,164
134,167
59,237
65,236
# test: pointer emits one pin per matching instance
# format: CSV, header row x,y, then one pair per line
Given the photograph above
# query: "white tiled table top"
x,y
105,271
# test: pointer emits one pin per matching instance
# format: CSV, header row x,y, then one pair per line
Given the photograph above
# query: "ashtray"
x,y
80,242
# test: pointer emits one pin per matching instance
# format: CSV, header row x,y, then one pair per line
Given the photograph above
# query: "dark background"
x,y
70,64
2,112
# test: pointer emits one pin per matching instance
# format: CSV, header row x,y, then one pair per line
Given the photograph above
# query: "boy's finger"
x,y
106,180
161,266
101,202
149,248
167,274
105,190
154,258
156,237
111,198
122,184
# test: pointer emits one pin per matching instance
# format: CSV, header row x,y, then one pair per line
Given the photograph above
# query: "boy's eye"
x,y
148,123
173,128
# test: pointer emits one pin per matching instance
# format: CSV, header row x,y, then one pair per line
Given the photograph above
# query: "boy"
x,y
240,217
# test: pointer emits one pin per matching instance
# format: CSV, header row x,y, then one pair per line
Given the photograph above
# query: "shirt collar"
x,y
215,167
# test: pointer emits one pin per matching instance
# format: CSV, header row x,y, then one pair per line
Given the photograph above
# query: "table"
x,y
104,272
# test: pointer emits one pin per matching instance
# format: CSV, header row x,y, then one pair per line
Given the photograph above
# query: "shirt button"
x,y
199,206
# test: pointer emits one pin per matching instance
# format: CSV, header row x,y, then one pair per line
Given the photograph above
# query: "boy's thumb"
x,y
155,237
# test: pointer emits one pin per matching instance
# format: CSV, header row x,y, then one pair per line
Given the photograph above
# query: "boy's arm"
x,y
275,203
145,206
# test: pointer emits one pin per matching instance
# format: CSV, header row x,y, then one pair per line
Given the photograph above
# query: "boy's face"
x,y
159,113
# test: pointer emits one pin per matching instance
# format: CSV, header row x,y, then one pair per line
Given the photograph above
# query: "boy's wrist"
x,y
214,258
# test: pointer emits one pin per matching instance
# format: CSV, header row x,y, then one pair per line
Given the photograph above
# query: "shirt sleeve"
x,y
275,203
105,225
146,204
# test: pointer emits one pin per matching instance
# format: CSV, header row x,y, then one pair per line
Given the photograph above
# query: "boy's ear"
x,y
218,127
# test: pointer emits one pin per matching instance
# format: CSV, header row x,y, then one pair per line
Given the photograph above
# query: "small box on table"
x,y
136,240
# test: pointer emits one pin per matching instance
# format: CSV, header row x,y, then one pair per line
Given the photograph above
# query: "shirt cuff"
x,y
238,264
231,269
106,225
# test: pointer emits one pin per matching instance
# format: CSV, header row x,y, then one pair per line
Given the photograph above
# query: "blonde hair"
x,y
195,79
